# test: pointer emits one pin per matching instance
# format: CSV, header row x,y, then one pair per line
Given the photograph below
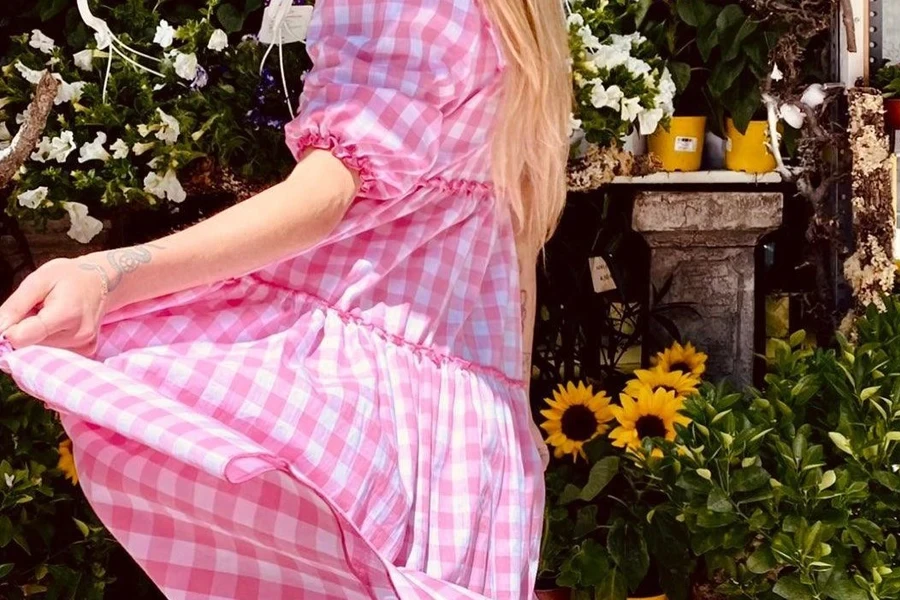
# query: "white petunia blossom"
x,y
10,479
120,149
68,92
165,186
574,125
165,34
218,41
814,96
610,97
33,198
648,120
667,91
610,57
84,60
104,39
186,65
631,108
575,19
792,115
41,42
83,227
777,75
143,129
170,129
5,136
637,66
141,148
30,75
94,150
57,148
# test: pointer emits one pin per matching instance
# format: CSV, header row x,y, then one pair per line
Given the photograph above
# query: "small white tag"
x,y
294,24
685,144
728,144
600,275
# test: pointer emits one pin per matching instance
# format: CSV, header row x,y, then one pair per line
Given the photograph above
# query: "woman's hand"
x,y
61,304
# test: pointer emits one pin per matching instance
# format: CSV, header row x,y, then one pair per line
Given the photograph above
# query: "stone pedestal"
x,y
705,241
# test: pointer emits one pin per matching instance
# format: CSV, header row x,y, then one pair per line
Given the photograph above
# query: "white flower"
x,y
120,149
5,136
637,66
588,39
648,120
667,91
610,57
57,148
218,41
30,75
575,19
84,60
143,129
626,42
609,97
53,60
792,115
158,87
104,39
166,186
631,108
41,42
814,96
140,148
94,150
574,124
33,198
10,479
68,92
83,227
165,34
170,129
777,75
186,65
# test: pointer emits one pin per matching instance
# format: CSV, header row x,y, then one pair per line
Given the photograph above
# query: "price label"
x,y
600,275
291,21
685,144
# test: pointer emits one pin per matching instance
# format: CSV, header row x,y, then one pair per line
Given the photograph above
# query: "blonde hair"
x,y
531,142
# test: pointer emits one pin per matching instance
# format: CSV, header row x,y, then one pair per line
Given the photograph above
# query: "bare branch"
x,y
27,137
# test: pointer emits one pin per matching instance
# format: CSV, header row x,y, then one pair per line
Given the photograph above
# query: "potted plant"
x,y
887,79
622,88
791,491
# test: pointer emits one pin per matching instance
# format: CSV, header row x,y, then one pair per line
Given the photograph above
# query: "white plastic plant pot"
x,y
635,143
714,152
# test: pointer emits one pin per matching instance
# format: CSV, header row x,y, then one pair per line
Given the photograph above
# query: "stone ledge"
x,y
721,217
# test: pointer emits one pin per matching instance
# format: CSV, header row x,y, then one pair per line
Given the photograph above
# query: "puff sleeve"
x,y
382,72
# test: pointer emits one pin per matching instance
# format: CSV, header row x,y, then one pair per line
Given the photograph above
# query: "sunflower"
x,y
682,358
576,416
657,379
67,461
650,414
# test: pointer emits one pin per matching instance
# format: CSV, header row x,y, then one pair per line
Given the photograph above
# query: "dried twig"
x,y
849,26
27,137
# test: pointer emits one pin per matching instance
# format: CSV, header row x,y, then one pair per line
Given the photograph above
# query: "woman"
x,y
319,393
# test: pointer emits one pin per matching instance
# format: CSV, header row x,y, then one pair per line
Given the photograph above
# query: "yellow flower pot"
x,y
680,148
748,152
661,597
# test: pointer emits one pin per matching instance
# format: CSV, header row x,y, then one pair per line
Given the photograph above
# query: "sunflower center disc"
x,y
681,366
650,426
579,423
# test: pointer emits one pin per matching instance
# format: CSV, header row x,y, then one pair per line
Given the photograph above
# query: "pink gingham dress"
x,y
350,423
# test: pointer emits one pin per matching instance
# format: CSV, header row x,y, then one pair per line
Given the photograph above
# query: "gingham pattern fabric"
x,y
350,423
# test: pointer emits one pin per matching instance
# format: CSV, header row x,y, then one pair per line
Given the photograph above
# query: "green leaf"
x,y
762,561
889,480
252,5
601,474
711,520
845,589
736,40
749,479
693,12
707,39
232,21
718,501
681,75
790,588
82,527
6,531
48,9
6,569
628,550
612,587
840,441
869,529
569,494
724,74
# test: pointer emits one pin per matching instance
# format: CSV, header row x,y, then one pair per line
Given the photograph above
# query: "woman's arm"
x,y
279,222
62,303
528,284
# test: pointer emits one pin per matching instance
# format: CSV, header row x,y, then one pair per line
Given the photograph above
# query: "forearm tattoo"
x,y
122,261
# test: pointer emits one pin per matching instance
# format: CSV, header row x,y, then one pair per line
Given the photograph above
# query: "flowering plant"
x,y
126,124
620,83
